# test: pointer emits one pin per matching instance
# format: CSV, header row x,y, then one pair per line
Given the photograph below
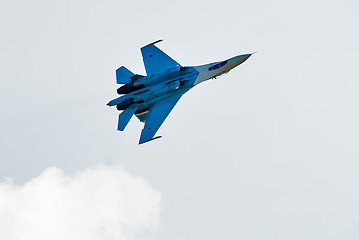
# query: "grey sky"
x,y
268,151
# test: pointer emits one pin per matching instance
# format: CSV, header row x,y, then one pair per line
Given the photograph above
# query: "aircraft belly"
x,y
142,109
161,90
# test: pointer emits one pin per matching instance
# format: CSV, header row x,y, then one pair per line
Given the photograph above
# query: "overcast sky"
x,y
268,151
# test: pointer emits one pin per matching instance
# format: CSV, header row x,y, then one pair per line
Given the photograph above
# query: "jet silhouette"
x,y
151,98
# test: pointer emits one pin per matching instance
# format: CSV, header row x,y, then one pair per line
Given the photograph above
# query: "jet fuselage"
x,y
157,87
151,98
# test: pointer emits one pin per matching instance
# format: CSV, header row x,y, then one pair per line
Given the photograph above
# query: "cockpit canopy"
x,y
218,65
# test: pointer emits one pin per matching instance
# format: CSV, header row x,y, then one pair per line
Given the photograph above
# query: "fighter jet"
x,y
151,98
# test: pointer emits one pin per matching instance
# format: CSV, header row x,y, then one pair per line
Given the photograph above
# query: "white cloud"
x,y
98,203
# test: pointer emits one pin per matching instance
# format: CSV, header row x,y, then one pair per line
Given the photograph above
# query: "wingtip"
x,y
157,41
153,43
142,142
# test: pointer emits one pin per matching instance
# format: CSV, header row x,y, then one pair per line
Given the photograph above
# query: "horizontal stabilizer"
x,y
125,117
123,75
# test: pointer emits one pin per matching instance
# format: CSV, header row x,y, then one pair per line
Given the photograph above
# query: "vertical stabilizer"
x,y
123,75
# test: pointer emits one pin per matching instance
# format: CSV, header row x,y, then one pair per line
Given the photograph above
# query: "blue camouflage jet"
x,y
151,98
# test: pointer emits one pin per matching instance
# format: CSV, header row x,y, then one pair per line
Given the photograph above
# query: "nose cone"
x,y
235,61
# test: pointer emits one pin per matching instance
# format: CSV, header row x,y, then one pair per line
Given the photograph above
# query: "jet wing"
x,y
155,60
156,116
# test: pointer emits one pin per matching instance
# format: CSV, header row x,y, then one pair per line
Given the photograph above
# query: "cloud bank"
x,y
98,203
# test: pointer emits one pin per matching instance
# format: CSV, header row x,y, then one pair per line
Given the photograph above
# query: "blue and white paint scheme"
x,y
151,98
